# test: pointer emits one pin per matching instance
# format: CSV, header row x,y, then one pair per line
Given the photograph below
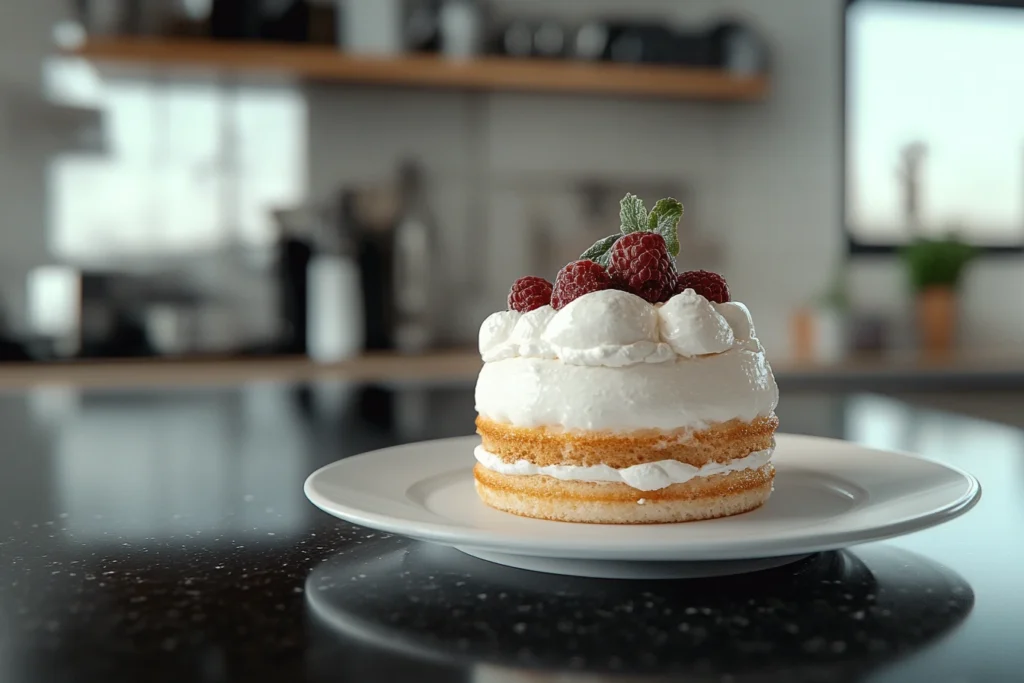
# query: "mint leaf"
x,y
664,220
632,214
601,251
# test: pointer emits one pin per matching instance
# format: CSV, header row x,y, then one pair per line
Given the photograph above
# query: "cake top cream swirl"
x,y
615,329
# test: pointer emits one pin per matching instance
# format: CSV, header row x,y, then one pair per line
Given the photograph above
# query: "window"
x,y
934,122
189,166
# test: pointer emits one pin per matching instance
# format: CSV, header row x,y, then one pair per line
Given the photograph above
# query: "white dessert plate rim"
x,y
830,494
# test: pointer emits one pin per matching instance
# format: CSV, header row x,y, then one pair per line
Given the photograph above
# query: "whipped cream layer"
x,y
685,393
611,361
617,329
646,477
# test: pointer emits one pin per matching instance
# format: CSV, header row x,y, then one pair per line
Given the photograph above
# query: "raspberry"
x,y
528,293
639,263
576,279
709,285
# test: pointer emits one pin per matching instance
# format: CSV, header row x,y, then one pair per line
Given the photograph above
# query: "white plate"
x,y
828,494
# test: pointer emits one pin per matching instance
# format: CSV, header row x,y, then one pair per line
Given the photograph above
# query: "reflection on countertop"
x,y
833,615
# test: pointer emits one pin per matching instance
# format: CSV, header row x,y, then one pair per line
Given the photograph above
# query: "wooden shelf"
x,y
438,367
485,74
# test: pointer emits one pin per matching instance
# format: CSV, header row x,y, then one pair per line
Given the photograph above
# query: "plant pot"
x,y
936,318
819,334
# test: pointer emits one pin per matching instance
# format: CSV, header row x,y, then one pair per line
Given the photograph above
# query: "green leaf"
x,y
664,220
632,214
601,250
937,262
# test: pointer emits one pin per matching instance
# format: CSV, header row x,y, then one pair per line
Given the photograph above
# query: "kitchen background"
x,y
289,178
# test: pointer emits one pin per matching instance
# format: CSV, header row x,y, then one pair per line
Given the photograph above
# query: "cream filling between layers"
x,y
646,477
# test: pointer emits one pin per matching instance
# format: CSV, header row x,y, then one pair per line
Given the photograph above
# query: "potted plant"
x,y
935,267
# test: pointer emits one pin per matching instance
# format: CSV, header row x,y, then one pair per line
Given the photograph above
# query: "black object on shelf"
x,y
280,21
375,254
656,44
235,19
290,25
728,45
294,254
423,26
739,49
374,247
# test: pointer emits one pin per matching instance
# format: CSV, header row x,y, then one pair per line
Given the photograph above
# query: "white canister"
x,y
334,320
461,29
371,27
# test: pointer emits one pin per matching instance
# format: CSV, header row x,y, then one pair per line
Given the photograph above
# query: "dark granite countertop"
x,y
163,535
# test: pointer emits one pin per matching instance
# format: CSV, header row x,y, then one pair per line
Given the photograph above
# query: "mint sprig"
x,y
632,214
663,219
601,251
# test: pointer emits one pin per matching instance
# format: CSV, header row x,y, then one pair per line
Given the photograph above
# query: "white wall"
x,y
25,144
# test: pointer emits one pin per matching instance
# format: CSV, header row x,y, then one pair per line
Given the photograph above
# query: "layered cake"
x,y
625,392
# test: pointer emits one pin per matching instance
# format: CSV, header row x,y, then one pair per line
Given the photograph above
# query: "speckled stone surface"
x,y
149,536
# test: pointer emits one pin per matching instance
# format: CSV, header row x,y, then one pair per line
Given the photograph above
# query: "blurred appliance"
x,y
414,277
294,252
367,216
395,237
110,325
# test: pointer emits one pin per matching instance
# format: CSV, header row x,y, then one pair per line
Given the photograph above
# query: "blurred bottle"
x,y
294,252
423,26
549,40
521,38
516,39
591,41
461,29
414,280
372,27
738,49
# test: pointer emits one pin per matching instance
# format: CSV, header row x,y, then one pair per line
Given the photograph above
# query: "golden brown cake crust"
x,y
720,443
548,498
